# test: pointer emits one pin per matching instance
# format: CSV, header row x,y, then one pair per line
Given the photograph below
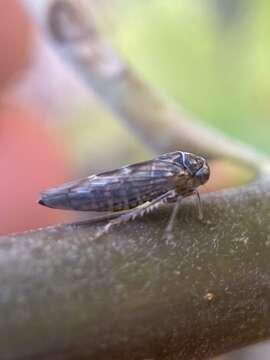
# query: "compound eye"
x,y
194,163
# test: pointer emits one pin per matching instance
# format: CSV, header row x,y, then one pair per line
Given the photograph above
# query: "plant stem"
x,y
132,295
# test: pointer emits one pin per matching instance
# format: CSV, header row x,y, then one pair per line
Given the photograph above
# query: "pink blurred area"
x,y
32,155
16,35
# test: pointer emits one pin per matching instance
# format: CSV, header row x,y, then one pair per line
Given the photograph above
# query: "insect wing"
x,y
132,185
119,189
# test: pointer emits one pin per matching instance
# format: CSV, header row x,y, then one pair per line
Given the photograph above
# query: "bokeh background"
x,y
211,56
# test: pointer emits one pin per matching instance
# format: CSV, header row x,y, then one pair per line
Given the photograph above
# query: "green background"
x,y
213,57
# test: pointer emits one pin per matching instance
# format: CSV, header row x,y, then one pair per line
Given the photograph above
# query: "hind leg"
x,y
139,211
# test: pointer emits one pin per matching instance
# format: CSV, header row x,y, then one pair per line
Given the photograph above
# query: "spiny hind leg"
x,y
133,214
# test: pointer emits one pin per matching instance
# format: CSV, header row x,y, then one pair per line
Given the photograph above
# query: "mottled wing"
x,y
116,190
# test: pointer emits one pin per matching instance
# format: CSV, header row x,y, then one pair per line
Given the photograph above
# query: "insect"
x,y
134,190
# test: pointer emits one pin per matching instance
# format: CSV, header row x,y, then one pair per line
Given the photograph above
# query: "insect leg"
x,y
168,231
198,204
139,211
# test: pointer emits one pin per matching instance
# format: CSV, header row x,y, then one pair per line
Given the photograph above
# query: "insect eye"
x,y
194,163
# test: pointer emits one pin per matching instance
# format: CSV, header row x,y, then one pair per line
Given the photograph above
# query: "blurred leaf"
x,y
220,74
